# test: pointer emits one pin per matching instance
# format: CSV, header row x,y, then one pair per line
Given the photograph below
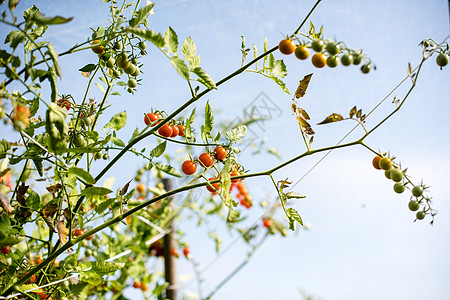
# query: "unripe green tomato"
x,y
366,68
95,242
413,205
105,156
301,52
332,61
122,61
140,171
132,83
80,141
130,69
111,62
137,178
399,188
136,72
333,48
98,155
134,61
385,163
142,45
442,59
357,59
420,215
84,243
130,90
417,191
116,73
387,173
88,252
118,45
396,175
87,121
94,253
317,45
347,59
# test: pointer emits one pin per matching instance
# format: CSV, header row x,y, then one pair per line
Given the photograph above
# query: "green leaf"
x,y
52,79
55,58
180,67
135,134
82,174
294,195
104,205
188,49
195,62
95,191
14,38
34,107
4,147
117,142
171,40
142,15
8,239
118,121
209,118
279,69
33,200
91,277
293,216
105,267
189,121
334,117
100,87
40,19
233,215
158,150
88,68
149,35
5,224
168,170
205,78
237,133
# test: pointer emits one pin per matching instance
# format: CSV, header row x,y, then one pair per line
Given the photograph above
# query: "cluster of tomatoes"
x,y
157,249
140,285
189,167
319,59
395,174
167,130
118,61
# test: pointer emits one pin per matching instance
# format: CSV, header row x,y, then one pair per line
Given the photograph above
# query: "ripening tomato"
x,y
150,118
287,46
317,45
319,60
64,103
188,167
5,249
376,162
267,222
385,163
186,252
181,130
206,160
175,131
301,52
165,130
78,232
140,188
97,49
215,186
220,153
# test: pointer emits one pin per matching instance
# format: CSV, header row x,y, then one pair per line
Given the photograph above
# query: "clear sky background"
x,y
363,243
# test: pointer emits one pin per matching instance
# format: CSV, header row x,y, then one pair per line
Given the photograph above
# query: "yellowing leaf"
x,y
5,204
304,125
334,117
49,210
62,231
302,86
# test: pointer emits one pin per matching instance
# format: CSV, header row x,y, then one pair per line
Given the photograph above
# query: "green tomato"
x,y
366,68
111,62
357,59
116,73
332,61
396,175
105,156
420,215
317,45
413,205
130,69
333,48
98,155
347,59
399,188
442,59
387,173
417,191
118,45
136,72
122,61
132,83
142,45
385,163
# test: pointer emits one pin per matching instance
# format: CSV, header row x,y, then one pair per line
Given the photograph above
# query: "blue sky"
x,y
363,243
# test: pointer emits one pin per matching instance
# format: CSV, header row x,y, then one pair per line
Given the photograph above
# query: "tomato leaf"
x,y
117,141
304,125
353,111
40,19
189,121
209,118
5,204
302,86
279,69
49,210
62,231
149,35
91,277
237,133
294,195
9,239
180,67
118,121
88,68
95,191
233,215
4,147
168,169
206,80
158,150
82,174
104,205
188,49
293,216
334,117
100,87
141,15
55,58
105,267
171,40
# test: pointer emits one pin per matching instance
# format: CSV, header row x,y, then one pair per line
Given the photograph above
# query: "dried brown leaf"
x,y
302,86
49,210
62,231
334,117
5,204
